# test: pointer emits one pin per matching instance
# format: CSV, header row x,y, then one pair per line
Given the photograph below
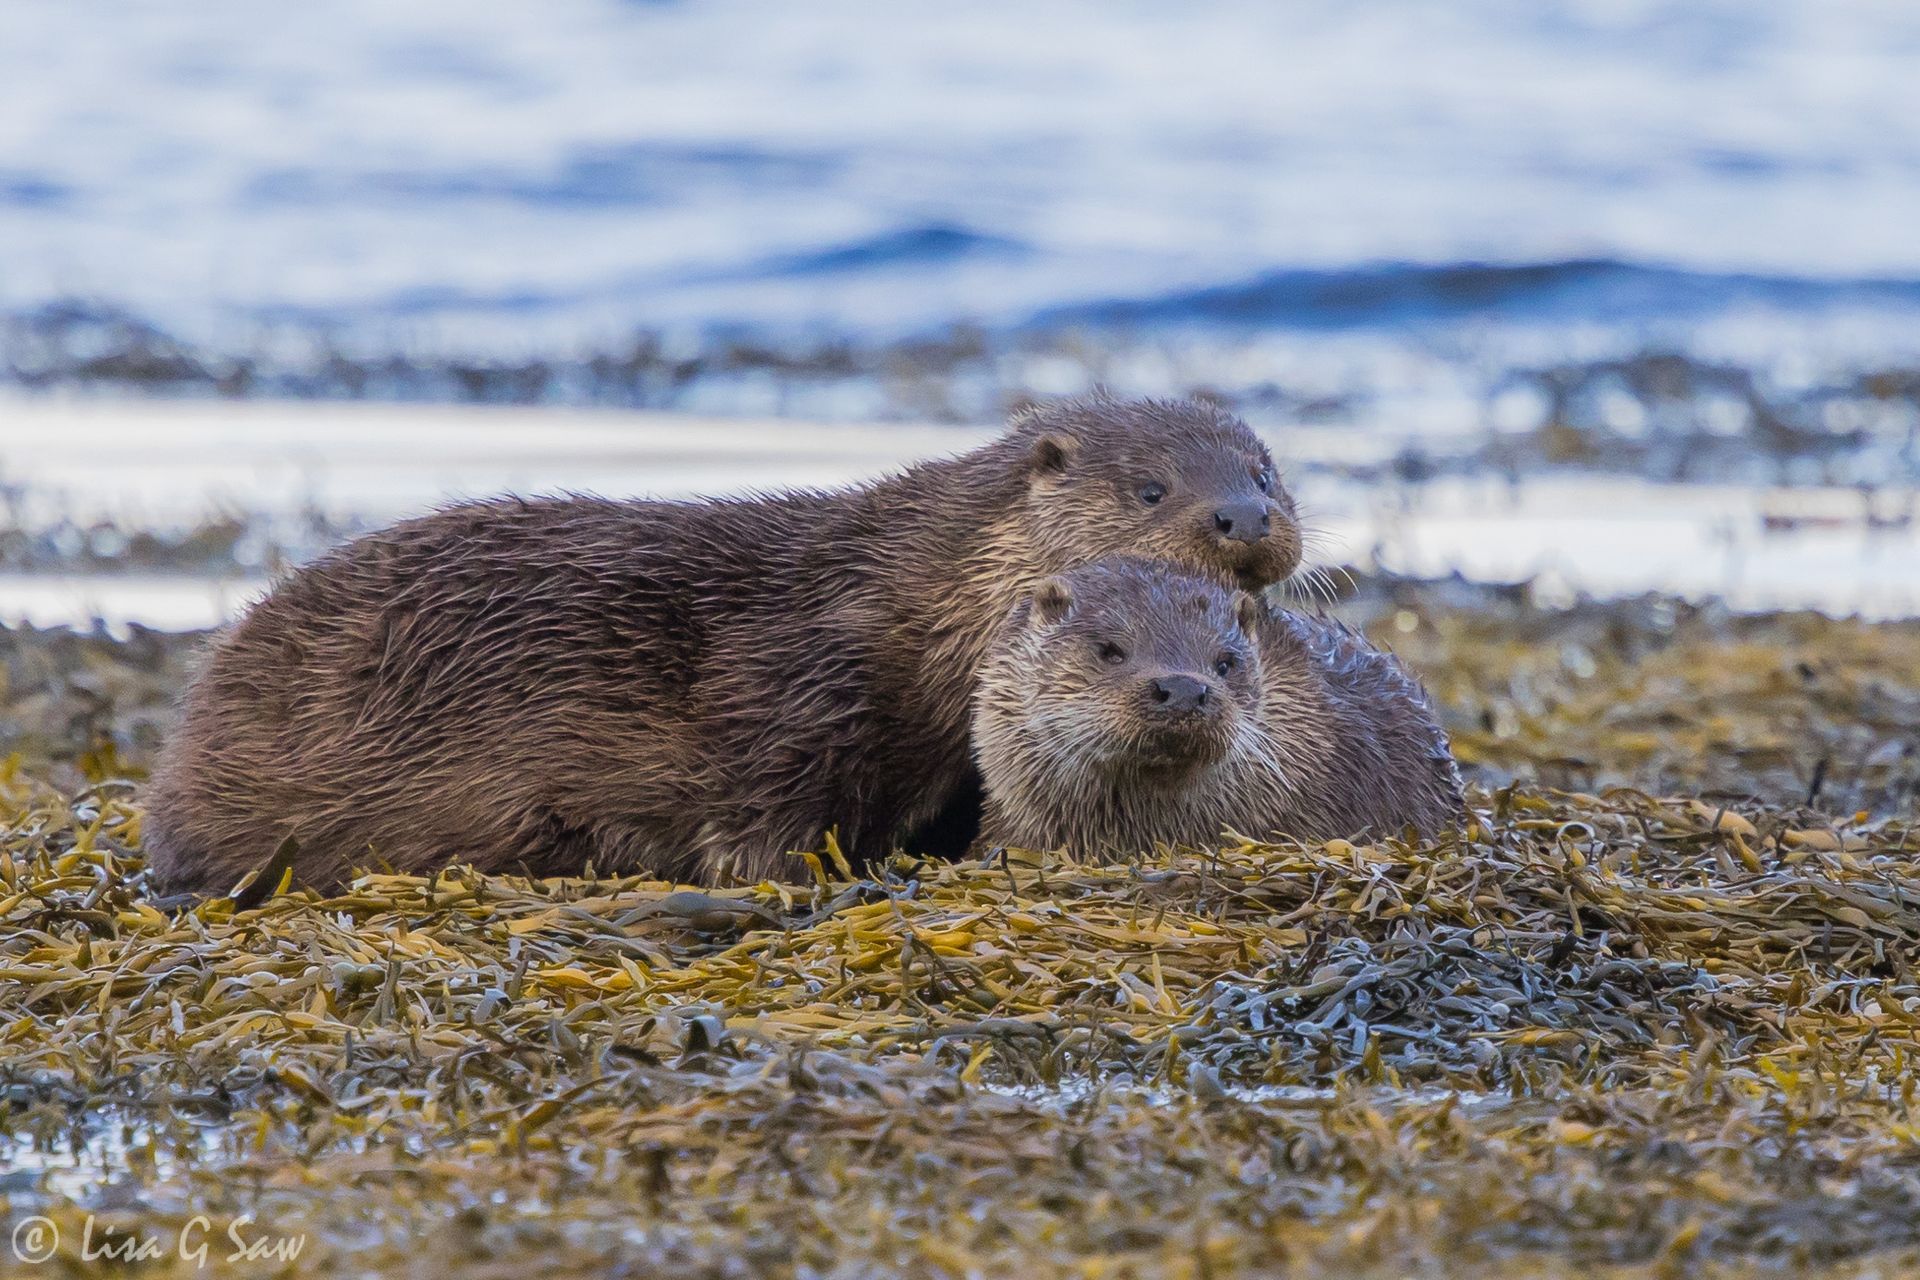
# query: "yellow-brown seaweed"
x,y
1662,1024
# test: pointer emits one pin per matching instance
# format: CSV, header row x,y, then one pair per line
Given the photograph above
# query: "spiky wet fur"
x,y
1319,735
694,688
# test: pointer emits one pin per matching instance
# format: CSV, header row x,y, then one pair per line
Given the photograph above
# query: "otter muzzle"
x,y
1178,695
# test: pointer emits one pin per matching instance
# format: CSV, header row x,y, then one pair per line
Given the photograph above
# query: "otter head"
x,y
1183,481
1122,671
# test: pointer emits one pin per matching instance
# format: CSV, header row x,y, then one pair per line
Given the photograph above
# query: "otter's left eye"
x,y
1151,493
1223,665
1265,480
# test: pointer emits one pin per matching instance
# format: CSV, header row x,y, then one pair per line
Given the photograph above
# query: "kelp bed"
x,y
1660,1020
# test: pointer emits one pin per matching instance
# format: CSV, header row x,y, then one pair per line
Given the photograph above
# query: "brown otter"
x,y
693,688
1129,704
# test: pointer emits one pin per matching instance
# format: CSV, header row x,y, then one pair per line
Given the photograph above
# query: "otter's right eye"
x,y
1151,492
1112,654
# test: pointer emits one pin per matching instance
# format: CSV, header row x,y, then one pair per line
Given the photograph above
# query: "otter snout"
x,y
1181,695
1247,522
1181,725
1266,555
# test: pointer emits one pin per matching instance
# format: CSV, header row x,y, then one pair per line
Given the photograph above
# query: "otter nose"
x,y
1179,693
1243,521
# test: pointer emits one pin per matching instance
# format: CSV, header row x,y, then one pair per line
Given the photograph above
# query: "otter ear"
x,y
1248,610
1052,600
1051,453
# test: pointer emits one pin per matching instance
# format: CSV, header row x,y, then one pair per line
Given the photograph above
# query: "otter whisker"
x,y
1314,584
1315,538
1319,540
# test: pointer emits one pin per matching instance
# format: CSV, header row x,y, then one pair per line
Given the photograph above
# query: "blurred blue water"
x,y
510,174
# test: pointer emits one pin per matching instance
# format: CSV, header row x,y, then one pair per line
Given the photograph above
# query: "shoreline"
x,y
84,478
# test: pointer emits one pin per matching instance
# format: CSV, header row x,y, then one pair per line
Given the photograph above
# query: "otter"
x,y
1128,704
688,688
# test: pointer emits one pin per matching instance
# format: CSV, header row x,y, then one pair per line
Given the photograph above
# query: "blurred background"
x,y
1607,297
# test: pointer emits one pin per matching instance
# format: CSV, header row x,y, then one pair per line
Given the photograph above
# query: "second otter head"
x,y
1122,670
1183,481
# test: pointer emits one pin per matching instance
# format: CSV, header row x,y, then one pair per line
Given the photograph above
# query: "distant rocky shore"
x,y
1413,410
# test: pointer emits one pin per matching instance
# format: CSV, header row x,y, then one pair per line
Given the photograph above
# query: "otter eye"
x,y
1112,654
1223,665
1265,480
1151,492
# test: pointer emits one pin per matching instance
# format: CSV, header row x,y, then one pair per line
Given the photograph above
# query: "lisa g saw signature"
x,y
37,1240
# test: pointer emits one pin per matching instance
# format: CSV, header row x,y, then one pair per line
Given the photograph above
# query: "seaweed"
x,y
1652,1010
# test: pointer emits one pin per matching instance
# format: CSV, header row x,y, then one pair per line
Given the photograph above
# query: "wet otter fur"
x,y
1128,704
693,688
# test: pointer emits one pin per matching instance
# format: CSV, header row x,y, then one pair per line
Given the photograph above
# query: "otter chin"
x,y
1168,764
1129,704
1273,560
